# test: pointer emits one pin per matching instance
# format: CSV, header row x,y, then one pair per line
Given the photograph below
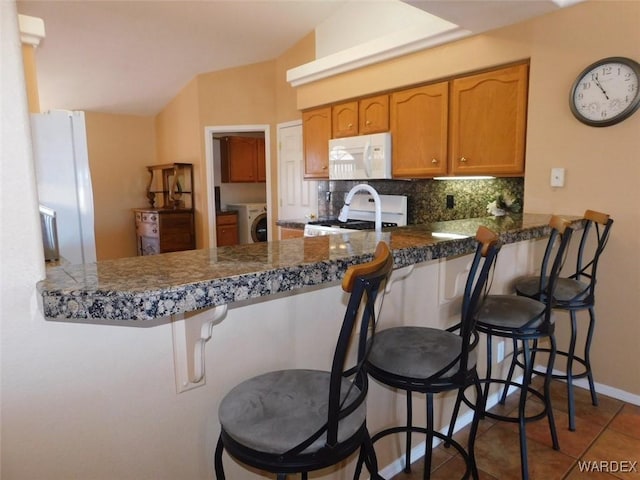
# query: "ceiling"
x,y
133,57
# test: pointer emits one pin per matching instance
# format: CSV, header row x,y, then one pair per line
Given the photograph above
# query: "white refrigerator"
x,y
64,180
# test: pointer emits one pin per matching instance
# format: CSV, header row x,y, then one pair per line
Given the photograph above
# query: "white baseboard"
x,y
604,389
462,421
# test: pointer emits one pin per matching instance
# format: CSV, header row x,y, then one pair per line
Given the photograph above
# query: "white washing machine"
x,y
252,221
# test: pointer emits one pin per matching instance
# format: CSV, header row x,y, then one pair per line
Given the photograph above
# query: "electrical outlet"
x,y
500,351
450,201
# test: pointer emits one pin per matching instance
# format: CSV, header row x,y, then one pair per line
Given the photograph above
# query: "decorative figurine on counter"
x,y
503,204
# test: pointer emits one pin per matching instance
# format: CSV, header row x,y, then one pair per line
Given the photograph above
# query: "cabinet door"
x,y
344,120
316,132
418,118
261,166
227,235
488,122
286,233
177,232
373,115
238,159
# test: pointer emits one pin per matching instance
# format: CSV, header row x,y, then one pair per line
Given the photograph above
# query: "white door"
x,y
297,197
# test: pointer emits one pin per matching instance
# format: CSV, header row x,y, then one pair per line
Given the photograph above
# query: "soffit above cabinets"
x,y
441,22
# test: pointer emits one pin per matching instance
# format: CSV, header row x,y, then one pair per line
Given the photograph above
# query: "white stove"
x,y
362,216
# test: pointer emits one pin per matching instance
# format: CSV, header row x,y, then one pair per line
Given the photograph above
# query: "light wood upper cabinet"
x,y
316,132
418,118
373,115
242,159
488,115
344,120
368,115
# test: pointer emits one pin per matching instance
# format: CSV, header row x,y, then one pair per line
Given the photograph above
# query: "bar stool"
x,y
297,421
573,294
430,360
524,320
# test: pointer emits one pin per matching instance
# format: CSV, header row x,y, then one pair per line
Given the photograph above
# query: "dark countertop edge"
x,y
96,305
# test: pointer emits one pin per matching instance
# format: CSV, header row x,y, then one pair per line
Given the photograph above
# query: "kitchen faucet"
x,y
344,212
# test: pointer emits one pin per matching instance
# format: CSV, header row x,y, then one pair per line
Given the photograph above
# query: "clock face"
x,y
606,92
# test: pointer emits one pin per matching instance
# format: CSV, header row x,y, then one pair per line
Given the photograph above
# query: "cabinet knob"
x,y
434,161
368,122
463,160
350,125
325,167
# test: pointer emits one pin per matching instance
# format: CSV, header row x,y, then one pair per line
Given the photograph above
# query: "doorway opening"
x,y
220,195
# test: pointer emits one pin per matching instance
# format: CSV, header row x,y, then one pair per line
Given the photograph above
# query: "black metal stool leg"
x,y
428,451
474,428
514,359
547,393
485,395
369,455
587,359
526,376
218,460
454,414
407,453
570,354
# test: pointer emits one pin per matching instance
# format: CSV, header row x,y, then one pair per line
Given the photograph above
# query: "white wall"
x,y
353,26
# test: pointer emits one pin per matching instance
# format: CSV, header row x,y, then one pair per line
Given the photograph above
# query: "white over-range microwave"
x,y
365,157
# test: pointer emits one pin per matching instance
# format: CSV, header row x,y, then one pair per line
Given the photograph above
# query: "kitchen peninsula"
x,y
146,288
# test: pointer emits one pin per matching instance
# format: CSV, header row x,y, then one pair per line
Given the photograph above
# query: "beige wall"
x,y
239,96
31,77
120,146
602,164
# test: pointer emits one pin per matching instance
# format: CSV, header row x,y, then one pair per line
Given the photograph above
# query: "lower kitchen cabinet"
x,y
164,230
226,228
291,233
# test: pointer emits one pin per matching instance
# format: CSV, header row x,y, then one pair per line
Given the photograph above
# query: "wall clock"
x,y
606,92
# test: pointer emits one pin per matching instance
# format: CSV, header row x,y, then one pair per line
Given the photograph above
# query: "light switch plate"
x,y
557,177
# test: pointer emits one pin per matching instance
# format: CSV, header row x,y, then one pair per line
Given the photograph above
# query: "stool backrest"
x,y
364,282
587,259
475,291
552,263
554,255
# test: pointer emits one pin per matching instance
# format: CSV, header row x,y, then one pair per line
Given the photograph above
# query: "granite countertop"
x,y
150,287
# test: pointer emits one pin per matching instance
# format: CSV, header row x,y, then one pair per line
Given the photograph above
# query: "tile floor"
x,y
609,432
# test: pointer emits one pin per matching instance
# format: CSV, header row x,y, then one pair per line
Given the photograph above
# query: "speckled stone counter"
x,y
145,288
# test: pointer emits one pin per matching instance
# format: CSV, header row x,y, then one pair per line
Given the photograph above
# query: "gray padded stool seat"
x,y
418,352
573,294
276,411
300,420
430,360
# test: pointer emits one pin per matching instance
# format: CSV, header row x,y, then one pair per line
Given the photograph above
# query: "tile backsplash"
x,y
427,199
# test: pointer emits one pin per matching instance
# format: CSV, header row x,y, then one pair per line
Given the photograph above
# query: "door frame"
x,y
208,148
